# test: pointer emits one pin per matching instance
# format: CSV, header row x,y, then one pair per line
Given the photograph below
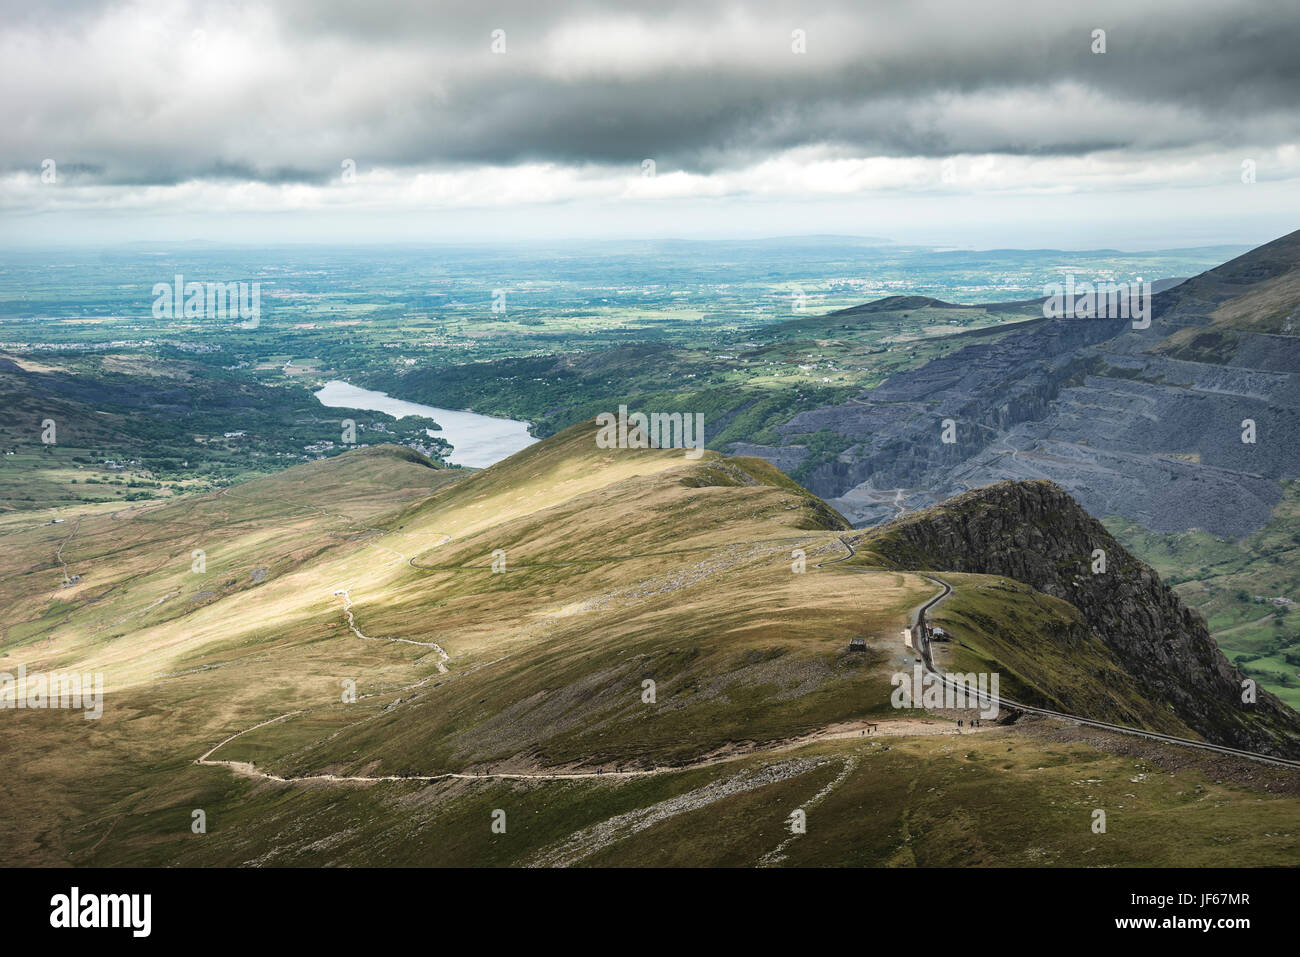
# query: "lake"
x,y
478,440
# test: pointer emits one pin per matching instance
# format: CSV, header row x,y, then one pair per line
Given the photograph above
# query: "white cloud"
x,y
208,109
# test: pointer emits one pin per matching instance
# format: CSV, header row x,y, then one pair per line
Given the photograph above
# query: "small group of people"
x,y
972,722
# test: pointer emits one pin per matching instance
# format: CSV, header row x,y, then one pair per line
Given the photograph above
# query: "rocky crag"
x,y
1037,534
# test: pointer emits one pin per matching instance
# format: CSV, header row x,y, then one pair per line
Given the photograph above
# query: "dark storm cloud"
x,y
284,92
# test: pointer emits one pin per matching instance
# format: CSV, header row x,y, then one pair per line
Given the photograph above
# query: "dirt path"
x,y
590,840
58,556
352,623
861,729
733,752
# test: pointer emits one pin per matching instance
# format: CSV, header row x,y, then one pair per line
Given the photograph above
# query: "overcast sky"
x,y
962,122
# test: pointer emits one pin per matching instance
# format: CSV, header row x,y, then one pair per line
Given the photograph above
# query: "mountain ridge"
x,y
1035,533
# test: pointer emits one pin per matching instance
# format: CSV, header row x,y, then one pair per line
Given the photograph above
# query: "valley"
x,y
357,653
145,402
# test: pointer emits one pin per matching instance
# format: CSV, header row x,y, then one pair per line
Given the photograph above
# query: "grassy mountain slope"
x,y
1256,293
621,567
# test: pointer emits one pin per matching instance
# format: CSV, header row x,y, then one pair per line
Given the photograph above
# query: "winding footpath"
x,y
901,727
352,623
856,731
58,556
905,727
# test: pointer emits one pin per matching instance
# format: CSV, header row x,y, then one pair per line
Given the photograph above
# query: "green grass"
x,y
990,800
1043,651
1221,579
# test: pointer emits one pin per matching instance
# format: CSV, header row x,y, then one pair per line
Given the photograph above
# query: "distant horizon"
x,y
775,239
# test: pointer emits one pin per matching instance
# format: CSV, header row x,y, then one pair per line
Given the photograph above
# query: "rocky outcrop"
x,y
1037,534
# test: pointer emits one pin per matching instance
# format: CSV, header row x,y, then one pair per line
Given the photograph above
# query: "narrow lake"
x,y
478,440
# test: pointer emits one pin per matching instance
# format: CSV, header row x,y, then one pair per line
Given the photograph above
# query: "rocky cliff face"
x,y
1037,534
